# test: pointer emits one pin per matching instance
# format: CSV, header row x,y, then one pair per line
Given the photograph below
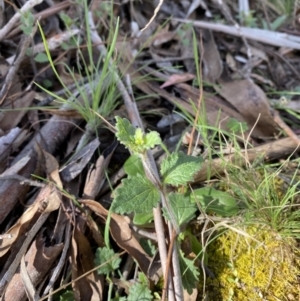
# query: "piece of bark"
x,y
52,135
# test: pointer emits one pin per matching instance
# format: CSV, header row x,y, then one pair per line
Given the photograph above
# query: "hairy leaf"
x,y
179,168
133,138
134,166
213,200
189,273
140,291
125,132
136,194
104,257
182,208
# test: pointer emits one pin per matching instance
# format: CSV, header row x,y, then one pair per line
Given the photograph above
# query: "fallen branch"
x,y
260,35
268,151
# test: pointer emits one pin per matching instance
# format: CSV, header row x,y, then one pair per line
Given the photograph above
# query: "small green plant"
x,y
140,195
109,263
27,22
142,191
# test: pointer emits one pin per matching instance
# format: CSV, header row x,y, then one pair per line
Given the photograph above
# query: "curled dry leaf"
x,y
24,222
39,260
52,169
95,177
90,287
212,63
177,78
12,118
122,234
250,100
28,285
47,205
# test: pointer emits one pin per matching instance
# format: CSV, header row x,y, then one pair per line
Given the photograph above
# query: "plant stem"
x,y
110,288
148,167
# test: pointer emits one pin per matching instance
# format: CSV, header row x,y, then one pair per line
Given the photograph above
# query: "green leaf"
x,y
152,139
27,21
67,296
212,200
140,291
118,298
137,194
148,246
278,22
236,126
179,168
47,83
66,19
189,273
134,166
125,132
133,138
41,58
104,256
141,219
26,29
182,208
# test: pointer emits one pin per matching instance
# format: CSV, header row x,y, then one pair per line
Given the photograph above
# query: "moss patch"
x,y
263,267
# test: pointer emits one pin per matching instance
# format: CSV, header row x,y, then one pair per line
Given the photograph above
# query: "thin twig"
x,y
285,127
157,8
14,68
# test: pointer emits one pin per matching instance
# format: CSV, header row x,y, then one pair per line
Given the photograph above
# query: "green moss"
x,y
261,267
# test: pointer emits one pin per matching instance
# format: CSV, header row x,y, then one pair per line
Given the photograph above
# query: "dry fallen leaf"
x,y
122,234
25,221
212,63
177,78
39,260
18,107
89,288
250,100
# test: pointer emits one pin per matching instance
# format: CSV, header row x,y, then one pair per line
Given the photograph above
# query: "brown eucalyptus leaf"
x,y
163,36
39,260
251,102
177,78
95,177
28,285
24,222
212,63
89,287
122,234
18,106
52,169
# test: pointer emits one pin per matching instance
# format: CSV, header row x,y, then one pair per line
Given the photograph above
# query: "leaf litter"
x,y
54,197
